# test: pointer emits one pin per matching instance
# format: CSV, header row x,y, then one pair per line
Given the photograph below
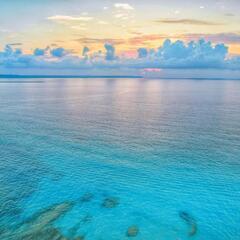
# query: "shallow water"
x,y
93,157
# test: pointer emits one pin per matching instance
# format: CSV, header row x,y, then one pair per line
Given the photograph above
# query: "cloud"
x,y
123,6
142,52
63,18
229,15
199,54
123,11
143,39
10,51
85,52
39,52
123,15
15,44
110,51
232,38
187,22
84,13
4,31
59,52
79,27
102,22
85,40
120,15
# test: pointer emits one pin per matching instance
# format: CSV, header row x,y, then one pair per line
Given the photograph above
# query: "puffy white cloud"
x,y
40,51
10,51
123,11
110,51
63,18
195,54
124,6
142,52
85,52
59,52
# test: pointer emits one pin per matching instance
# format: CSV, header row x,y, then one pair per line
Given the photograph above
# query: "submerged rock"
x,y
87,218
73,231
132,231
193,230
110,202
79,238
50,214
40,225
46,234
191,222
87,197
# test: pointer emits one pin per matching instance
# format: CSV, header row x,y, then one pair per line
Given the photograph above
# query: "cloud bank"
x,y
62,18
199,54
187,22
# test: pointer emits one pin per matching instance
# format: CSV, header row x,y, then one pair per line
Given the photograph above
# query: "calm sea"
x,y
118,159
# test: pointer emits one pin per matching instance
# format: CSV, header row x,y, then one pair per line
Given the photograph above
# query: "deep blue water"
x,y
165,153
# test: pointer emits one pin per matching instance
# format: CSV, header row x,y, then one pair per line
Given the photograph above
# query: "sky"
x,y
84,27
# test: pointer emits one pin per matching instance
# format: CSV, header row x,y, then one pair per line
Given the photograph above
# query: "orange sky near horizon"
x,y
129,25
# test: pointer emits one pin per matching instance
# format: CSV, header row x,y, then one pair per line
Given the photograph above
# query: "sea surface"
x,y
118,159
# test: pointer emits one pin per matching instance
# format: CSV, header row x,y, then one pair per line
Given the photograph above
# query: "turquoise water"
x,y
95,157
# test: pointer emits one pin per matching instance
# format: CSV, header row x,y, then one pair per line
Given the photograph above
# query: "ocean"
x,y
118,159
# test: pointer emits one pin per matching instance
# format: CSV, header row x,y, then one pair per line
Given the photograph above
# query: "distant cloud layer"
x,y
232,38
187,22
195,54
62,18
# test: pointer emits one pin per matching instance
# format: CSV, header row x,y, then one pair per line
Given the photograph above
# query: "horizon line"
x,y
68,76
13,76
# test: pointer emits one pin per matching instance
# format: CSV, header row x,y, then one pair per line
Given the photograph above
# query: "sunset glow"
x,y
74,24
